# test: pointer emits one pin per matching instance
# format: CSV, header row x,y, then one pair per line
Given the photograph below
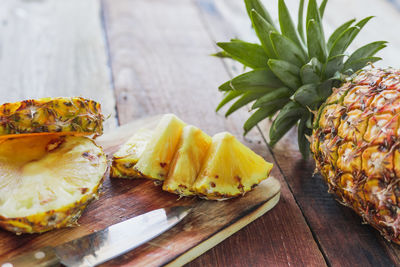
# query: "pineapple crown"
x,y
293,69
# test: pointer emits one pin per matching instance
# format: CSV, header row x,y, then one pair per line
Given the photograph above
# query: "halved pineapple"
x,y
188,159
70,115
46,181
128,155
155,161
230,169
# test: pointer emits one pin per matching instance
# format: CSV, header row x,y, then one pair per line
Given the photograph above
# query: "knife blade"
x,y
101,246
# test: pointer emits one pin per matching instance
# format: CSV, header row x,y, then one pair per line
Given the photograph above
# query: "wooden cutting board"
x,y
208,224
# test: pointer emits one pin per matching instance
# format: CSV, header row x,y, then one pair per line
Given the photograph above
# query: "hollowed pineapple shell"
x,y
46,181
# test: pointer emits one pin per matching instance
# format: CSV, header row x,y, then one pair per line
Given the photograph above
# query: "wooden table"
x,y
142,57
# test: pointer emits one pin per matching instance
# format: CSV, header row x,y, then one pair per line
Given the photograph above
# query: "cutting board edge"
x,y
214,240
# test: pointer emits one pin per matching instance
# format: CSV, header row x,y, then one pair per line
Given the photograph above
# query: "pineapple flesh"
x,y
188,159
46,181
128,155
230,169
189,162
156,159
356,147
69,115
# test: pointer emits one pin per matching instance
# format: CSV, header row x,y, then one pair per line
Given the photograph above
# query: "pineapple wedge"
x,y
72,115
128,155
188,159
229,169
155,161
46,181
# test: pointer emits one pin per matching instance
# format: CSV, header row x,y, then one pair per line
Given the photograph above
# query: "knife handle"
x,y
41,258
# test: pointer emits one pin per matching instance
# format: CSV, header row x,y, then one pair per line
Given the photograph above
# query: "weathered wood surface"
x,y
343,239
209,222
54,48
159,58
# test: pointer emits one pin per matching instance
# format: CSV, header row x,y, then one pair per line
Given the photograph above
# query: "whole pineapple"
x,y
347,111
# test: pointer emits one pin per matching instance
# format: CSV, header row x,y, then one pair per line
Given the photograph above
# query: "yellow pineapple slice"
x,y
155,161
69,115
128,155
188,159
230,169
46,181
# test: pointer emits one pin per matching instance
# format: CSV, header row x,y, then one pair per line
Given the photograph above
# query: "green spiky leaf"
x,y
260,9
259,79
272,97
286,119
300,25
322,7
229,96
365,51
302,131
359,64
294,69
307,95
286,72
347,37
226,86
315,42
221,54
333,65
311,72
286,50
313,14
261,114
287,26
246,98
263,29
250,55
335,35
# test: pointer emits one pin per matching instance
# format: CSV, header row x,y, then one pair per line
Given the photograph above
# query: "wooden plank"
x,y
160,60
341,236
209,223
54,48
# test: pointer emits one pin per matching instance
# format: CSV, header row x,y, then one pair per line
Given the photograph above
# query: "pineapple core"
x,y
155,161
229,169
188,159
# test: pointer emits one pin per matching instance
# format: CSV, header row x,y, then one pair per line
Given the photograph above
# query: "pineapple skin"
x,y
355,144
74,115
187,162
65,216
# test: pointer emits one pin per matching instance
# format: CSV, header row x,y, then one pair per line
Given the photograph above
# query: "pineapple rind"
x,y
365,173
230,169
127,156
60,213
188,159
73,115
155,161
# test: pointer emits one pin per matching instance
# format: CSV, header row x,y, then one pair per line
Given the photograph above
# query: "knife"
x,y
101,246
